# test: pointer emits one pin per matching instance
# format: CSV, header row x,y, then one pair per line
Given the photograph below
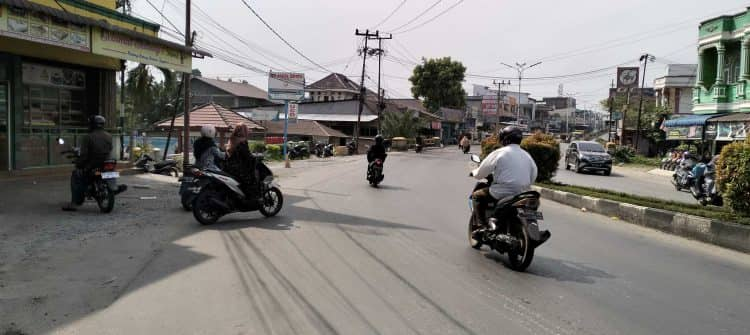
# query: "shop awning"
x,y
733,117
113,41
689,120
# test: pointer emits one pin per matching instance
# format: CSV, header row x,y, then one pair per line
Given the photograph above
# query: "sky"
x,y
568,37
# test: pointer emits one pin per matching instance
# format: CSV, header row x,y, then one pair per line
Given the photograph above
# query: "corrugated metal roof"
x,y
731,117
221,118
336,117
302,127
238,89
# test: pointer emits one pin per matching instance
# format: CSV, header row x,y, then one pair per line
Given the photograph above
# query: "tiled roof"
x,y
335,81
238,89
413,104
215,115
302,127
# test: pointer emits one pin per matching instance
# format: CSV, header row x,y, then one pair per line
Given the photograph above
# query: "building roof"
x,y
238,89
689,120
731,117
302,127
452,115
414,104
221,118
103,24
677,75
335,81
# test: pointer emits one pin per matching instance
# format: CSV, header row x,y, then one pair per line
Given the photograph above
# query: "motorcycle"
x,y
323,150
512,226
466,148
375,172
222,194
683,175
706,192
418,148
351,148
299,151
190,187
101,182
149,165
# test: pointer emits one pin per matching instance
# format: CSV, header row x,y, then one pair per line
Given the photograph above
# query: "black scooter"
x,y
512,226
166,167
322,150
299,151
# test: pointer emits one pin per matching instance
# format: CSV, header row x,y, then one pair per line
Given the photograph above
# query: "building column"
x,y
745,58
699,69
720,61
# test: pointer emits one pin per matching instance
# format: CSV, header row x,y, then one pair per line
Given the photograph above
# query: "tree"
x,y
651,116
439,83
147,100
403,124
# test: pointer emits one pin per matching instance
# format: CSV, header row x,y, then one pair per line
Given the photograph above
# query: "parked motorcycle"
x,y
375,172
149,165
351,148
512,226
102,181
299,151
683,175
222,194
322,150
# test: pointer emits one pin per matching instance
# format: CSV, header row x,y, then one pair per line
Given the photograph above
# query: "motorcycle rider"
x,y
465,144
95,149
205,150
241,163
512,168
377,151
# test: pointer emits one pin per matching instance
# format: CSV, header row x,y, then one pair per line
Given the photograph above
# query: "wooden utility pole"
x,y
186,100
362,91
500,100
379,51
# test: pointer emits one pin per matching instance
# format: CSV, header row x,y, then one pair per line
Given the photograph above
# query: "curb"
x,y
724,234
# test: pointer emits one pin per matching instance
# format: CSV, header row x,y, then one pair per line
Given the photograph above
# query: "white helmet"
x,y
208,130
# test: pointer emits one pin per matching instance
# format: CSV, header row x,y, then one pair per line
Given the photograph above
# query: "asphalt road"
x,y
344,258
624,179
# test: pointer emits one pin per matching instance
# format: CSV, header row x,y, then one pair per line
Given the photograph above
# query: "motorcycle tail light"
x,y
109,166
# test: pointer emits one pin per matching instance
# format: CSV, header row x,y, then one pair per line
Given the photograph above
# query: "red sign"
x,y
435,125
274,140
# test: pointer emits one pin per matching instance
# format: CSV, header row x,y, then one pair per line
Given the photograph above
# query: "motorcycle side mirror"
x,y
475,158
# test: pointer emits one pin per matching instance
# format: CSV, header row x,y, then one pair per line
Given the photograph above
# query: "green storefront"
x,y
723,76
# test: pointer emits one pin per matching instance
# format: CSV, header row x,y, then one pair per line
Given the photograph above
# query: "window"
x,y
591,147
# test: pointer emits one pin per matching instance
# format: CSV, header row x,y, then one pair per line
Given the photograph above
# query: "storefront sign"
x,y
52,76
436,125
685,133
38,27
114,44
627,77
489,105
732,131
286,86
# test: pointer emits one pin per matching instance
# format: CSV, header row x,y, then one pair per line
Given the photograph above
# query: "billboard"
x,y
117,45
286,86
627,77
489,105
39,27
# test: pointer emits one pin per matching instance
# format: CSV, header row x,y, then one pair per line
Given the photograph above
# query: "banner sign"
x,y
489,105
52,76
293,108
685,133
627,77
113,44
38,27
286,86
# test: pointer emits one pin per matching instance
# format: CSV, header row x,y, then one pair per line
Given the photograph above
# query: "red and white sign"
x,y
293,108
489,105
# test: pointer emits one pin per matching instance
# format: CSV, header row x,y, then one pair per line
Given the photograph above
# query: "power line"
x,y
163,16
282,38
431,19
418,16
389,15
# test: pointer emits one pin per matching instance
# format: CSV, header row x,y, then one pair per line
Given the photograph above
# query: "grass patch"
x,y
646,161
711,212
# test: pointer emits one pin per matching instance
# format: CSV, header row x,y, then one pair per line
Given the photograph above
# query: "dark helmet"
x,y
379,139
97,121
510,135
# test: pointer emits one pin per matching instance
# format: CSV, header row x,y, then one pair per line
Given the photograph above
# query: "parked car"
x,y
588,156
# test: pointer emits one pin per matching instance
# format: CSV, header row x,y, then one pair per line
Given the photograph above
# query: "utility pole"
x,y
186,100
362,90
645,58
520,68
379,51
500,100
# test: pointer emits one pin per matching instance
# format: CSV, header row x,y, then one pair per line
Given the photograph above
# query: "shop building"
x,y
59,60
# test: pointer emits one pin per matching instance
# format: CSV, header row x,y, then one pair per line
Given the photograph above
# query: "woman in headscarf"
x,y
241,162
205,151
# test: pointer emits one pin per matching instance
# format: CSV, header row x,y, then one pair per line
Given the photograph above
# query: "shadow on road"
x,y
560,270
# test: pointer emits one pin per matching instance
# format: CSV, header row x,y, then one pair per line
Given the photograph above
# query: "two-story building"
x,y
228,93
58,65
674,90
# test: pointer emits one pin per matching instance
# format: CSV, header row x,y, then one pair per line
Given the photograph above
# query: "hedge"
x,y
543,148
733,176
273,151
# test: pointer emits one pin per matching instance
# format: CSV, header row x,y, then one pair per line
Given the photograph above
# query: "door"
x,y
5,146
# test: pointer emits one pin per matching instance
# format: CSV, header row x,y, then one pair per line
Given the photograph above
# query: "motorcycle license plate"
x,y
110,175
534,215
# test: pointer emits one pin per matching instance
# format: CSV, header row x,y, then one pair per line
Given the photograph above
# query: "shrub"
x,y
543,148
623,154
545,151
256,146
273,151
733,176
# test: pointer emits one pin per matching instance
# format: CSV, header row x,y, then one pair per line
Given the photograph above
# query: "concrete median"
x,y
724,234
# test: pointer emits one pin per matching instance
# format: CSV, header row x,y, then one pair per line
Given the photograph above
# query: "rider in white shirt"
x,y
512,168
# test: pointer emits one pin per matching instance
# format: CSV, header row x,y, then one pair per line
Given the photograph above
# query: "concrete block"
x,y
559,196
572,199
589,203
659,219
607,207
632,213
690,226
731,235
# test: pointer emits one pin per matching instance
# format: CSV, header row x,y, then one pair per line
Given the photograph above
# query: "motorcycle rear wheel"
x,y
105,199
521,258
202,208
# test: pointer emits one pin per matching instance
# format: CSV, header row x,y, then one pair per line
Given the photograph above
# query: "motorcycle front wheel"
x,y
271,202
186,199
105,198
520,258
203,210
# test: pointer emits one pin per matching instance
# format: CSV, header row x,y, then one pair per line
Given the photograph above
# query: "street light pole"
x,y
645,58
520,68
500,99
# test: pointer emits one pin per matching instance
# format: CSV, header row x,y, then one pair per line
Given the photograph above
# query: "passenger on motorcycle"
x,y
512,168
95,149
241,163
205,150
